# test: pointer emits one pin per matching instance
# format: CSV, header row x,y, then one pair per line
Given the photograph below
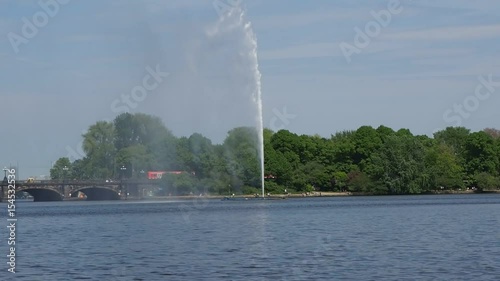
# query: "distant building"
x,y
156,175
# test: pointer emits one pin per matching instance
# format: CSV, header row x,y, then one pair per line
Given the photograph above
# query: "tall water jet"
x,y
257,96
234,21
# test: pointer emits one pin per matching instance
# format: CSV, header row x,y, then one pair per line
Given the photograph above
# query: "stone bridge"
x,y
54,190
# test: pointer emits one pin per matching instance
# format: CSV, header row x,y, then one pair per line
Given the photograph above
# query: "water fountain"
x,y
233,20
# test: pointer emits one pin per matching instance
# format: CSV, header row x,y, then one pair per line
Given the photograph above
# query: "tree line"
x,y
367,160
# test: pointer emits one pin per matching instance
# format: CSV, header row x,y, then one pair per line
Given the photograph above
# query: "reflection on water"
x,y
448,237
257,235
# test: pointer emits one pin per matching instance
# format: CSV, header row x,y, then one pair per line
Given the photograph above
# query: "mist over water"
x,y
218,86
235,20
214,82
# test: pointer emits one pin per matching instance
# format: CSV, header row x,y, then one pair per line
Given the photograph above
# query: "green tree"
x,y
358,181
203,157
79,169
454,137
288,144
480,154
384,132
340,181
166,154
183,155
186,184
135,159
316,175
241,153
276,164
100,150
61,169
375,161
144,142
366,141
443,167
402,159
344,150
485,181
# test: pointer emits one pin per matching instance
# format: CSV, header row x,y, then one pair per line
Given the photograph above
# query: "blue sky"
x,y
413,73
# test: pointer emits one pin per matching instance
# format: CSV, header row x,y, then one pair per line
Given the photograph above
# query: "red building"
x,y
156,175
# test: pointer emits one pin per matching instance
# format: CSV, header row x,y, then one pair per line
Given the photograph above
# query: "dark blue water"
x,y
446,237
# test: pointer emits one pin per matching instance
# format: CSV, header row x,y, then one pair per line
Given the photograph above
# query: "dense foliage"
x,y
368,160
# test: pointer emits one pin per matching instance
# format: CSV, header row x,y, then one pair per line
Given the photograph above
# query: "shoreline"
x,y
285,196
311,195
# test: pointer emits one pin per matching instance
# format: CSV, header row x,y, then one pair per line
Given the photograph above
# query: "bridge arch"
x,y
95,193
43,194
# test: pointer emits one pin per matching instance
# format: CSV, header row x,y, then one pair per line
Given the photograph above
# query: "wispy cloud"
x,y
449,33
84,38
160,6
313,50
292,20
484,6
6,26
34,62
323,49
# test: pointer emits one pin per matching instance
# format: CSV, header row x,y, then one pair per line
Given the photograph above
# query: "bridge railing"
x,y
84,182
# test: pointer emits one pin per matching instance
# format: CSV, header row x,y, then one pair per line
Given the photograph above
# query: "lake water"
x,y
444,237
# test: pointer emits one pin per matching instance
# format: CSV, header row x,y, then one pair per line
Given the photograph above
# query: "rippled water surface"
x,y
446,237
